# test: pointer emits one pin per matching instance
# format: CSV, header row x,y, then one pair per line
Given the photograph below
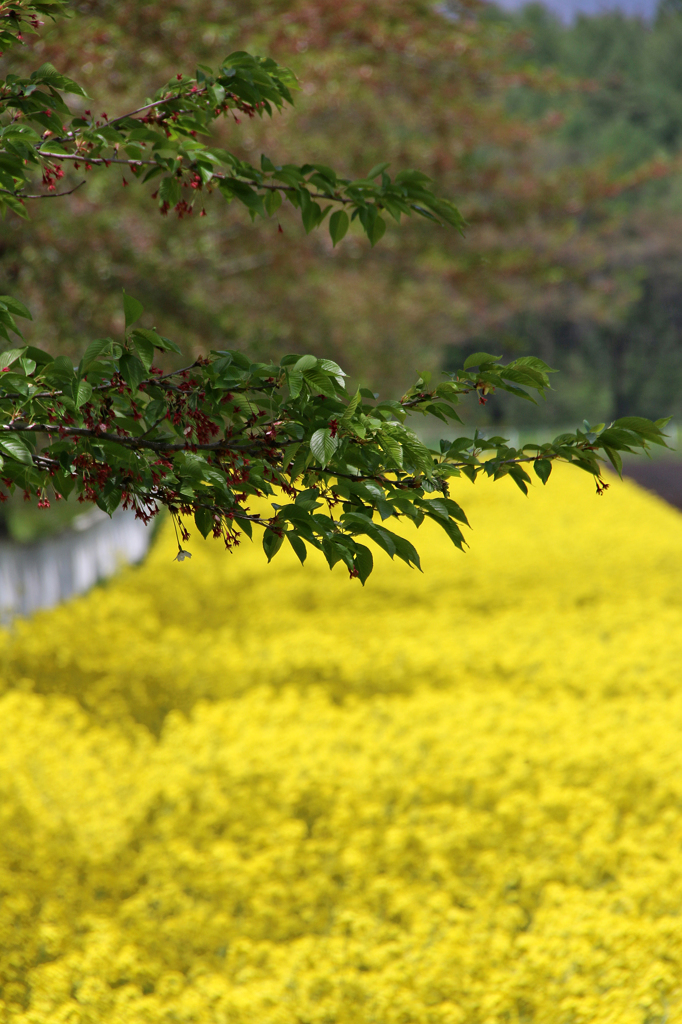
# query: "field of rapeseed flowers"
x,y
263,795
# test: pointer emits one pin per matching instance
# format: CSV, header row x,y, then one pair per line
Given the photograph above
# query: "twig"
x,y
47,195
99,160
134,442
124,117
12,395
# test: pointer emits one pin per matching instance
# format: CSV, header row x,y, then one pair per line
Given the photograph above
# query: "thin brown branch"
x,y
156,103
101,160
160,447
47,195
107,385
124,117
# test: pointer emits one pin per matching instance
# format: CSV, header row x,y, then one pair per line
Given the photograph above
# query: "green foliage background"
x,y
624,107
558,143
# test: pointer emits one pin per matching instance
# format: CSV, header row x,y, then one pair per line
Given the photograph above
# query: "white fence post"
x,y
42,574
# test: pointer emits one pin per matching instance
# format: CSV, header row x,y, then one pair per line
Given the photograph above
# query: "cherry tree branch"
x,y
46,195
100,161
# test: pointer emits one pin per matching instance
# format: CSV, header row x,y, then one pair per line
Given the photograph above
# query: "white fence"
x,y
42,574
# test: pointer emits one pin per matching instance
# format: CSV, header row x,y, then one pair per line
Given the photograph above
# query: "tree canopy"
x,y
207,439
379,82
617,341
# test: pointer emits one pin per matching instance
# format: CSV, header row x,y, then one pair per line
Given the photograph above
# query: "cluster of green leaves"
x,y
208,440
211,440
17,17
161,139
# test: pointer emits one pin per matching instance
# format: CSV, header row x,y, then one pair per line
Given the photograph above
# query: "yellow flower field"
x,y
263,795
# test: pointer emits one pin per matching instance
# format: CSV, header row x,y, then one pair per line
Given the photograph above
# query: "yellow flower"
x,y
256,794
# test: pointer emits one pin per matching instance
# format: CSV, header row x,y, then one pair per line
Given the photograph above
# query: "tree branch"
x,y
47,195
160,447
100,160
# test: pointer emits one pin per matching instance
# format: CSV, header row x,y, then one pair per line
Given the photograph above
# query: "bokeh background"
x,y
559,137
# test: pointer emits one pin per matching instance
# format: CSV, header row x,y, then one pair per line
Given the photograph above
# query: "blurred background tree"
x,y
623,115
563,174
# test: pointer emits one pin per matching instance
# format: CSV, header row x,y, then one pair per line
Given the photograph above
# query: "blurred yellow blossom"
x,y
251,794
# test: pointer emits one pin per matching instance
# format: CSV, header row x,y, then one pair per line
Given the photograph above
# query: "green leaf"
x,y
60,369
12,202
49,74
338,225
478,358
38,355
94,351
651,431
109,499
8,321
520,477
204,521
537,364
323,445
132,308
615,460
14,306
16,449
452,529
362,524
543,467
164,344
83,393
272,542
311,213
132,370
384,509
331,367
298,545
169,191
10,356
289,454
392,448
144,348
377,230
350,408
10,382
404,550
363,562
272,201
319,381
378,169
294,382
304,363
233,189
